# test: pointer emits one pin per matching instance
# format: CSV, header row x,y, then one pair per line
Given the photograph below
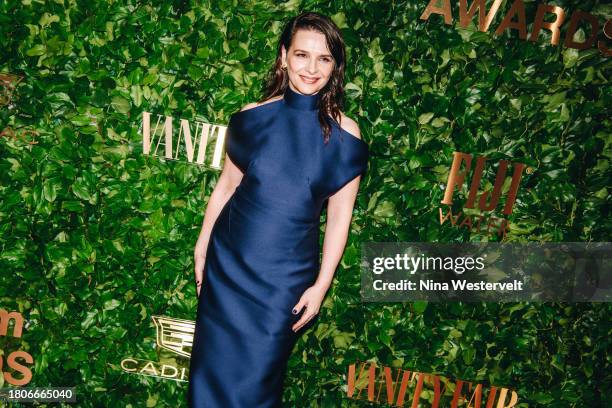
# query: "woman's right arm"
x,y
229,179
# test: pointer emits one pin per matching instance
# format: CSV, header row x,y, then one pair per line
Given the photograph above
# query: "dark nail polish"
x,y
294,311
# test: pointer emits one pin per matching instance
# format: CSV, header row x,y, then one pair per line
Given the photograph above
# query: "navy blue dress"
x,y
263,251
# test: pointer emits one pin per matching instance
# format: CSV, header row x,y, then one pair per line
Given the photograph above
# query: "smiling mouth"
x,y
309,80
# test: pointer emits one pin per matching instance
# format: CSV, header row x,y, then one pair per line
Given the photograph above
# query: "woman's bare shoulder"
x,y
252,105
349,125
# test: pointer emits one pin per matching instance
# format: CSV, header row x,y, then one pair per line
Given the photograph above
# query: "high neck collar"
x,y
301,101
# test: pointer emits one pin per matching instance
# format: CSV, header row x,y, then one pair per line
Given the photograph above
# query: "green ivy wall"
x,y
97,238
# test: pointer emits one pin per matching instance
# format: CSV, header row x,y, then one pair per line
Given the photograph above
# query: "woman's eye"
x,y
301,55
326,59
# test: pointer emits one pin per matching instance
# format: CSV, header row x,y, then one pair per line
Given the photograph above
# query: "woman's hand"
x,y
200,259
199,272
312,299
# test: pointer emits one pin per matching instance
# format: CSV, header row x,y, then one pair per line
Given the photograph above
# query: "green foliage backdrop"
x,y
97,238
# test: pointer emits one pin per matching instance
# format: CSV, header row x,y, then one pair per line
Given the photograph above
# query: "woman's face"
x,y
309,62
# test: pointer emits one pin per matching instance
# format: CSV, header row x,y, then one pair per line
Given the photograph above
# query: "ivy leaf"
x,y
120,104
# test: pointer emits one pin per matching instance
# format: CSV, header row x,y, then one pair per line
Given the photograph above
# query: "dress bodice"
x,y
287,165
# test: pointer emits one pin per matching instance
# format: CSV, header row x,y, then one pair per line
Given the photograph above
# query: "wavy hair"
x,y
332,94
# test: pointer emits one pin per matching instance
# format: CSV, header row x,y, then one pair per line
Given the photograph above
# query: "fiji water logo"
x,y
485,201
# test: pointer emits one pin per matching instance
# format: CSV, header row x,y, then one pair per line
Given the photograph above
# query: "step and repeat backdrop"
x,y
487,121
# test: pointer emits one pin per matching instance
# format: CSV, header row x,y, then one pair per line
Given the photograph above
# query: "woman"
x,y
257,256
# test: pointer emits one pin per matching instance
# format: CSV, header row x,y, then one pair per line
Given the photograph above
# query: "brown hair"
x,y
332,94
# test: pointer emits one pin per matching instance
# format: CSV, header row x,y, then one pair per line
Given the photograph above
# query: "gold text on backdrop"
x,y
173,335
487,201
431,384
515,19
11,360
164,134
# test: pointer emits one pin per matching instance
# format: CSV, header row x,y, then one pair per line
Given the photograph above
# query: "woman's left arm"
x,y
339,214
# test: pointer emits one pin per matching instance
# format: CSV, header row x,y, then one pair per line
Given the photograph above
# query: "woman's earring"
x,y
284,67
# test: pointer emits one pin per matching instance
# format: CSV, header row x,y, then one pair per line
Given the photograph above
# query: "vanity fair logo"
x,y
515,19
456,179
9,362
173,335
194,149
383,388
